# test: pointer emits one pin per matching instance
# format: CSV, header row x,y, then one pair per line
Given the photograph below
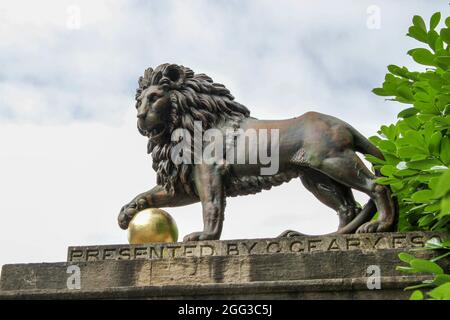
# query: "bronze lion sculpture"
x,y
317,148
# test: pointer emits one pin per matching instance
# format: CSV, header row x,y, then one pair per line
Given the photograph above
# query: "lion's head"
x,y
171,97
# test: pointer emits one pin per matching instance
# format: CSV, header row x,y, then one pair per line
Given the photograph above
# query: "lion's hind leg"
x,y
347,168
331,193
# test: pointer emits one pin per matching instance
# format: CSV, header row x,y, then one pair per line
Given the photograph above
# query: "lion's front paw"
x,y
129,210
374,226
199,236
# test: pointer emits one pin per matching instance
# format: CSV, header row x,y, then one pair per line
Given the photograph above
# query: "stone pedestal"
x,y
316,267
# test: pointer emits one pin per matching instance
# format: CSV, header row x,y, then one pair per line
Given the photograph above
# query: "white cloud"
x,y
69,152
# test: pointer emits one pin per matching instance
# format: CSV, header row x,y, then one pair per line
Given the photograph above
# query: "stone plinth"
x,y
316,267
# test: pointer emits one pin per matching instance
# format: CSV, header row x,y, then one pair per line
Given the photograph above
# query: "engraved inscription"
x,y
298,245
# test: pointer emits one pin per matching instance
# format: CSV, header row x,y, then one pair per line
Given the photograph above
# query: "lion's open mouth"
x,y
156,133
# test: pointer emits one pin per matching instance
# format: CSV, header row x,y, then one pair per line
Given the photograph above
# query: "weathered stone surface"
x,y
323,267
356,288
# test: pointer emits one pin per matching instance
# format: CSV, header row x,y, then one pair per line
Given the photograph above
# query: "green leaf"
x,y
426,220
401,72
406,173
373,159
434,20
405,92
442,292
432,37
422,196
443,62
445,34
388,170
445,206
424,284
409,112
438,45
433,207
406,269
374,139
389,132
419,23
422,56
418,34
435,143
406,257
443,223
412,123
445,150
387,146
381,92
443,185
416,295
409,152
423,164
385,181
446,243
423,265
447,22
441,279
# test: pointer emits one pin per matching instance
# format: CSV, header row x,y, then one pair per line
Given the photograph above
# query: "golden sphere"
x,y
152,225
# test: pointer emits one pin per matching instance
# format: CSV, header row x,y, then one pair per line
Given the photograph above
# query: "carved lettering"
x,y
252,247
249,247
398,242
124,254
297,246
172,250
109,254
417,241
376,242
273,247
189,251
140,253
232,249
156,253
76,255
353,242
92,254
206,250
333,245
312,245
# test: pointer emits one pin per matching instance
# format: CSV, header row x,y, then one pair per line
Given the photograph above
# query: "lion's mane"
x,y
194,97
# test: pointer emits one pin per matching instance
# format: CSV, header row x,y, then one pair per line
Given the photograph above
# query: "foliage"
x,y
440,282
417,146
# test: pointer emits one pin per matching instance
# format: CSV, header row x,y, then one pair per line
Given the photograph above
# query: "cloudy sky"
x,y
70,154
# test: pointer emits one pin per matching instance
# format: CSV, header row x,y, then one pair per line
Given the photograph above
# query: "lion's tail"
x,y
363,145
